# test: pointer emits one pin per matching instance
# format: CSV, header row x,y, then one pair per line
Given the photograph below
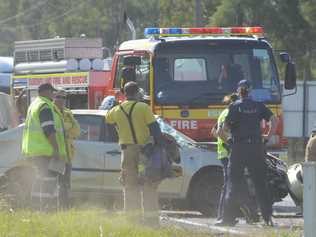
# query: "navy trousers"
x,y
250,155
223,192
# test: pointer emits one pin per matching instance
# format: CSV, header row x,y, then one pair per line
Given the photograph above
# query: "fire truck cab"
x,y
75,65
186,72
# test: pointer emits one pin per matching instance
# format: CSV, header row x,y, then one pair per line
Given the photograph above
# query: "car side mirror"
x,y
290,76
285,57
131,60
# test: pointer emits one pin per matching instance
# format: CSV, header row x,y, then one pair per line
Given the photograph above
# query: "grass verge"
x,y
79,223
96,222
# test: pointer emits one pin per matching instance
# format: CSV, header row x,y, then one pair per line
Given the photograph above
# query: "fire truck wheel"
x,y
205,191
17,187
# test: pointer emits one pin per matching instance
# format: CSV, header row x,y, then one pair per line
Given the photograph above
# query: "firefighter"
x,y
223,149
128,74
243,120
135,125
43,135
72,131
310,152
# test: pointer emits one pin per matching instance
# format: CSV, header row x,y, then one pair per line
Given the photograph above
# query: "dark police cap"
x,y
245,84
46,87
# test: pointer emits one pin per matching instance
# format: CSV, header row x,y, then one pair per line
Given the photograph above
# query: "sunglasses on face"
x,y
62,97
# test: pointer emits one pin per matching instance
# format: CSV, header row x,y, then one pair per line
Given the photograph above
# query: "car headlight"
x,y
176,171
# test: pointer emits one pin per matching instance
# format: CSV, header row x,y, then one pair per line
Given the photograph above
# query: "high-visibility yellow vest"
x,y
35,142
221,150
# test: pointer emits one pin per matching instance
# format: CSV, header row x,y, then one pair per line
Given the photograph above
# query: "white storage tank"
x,y
41,67
72,65
6,64
84,64
97,64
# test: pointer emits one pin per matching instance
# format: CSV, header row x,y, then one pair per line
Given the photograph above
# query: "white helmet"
x,y
108,103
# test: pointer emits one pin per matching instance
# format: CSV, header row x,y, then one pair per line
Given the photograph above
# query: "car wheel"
x,y
297,202
17,189
205,192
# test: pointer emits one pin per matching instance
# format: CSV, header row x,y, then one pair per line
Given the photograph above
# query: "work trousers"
x,y
138,196
64,182
42,187
41,163
223,191
250,155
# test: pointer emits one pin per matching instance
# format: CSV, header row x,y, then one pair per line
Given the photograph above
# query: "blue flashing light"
x,y
170,31
176,31
152,31
203,31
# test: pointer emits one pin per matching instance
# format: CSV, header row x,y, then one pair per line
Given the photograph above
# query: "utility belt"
x,y
124,146
247,140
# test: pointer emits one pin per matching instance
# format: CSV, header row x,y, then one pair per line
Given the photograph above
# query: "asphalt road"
x,y
285,217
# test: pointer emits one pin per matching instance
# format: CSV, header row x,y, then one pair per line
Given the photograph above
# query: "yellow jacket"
x,y
72,131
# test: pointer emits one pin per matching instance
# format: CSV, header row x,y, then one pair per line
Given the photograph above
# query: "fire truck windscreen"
x,y
202,73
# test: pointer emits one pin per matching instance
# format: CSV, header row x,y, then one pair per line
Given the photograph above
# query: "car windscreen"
x,y
202,73
182,139
91,127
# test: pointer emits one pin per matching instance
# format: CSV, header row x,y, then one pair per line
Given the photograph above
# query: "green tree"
x,y
308,8
8,30
181,13
283,22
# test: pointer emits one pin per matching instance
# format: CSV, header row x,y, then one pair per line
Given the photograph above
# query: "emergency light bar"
x,y
257,30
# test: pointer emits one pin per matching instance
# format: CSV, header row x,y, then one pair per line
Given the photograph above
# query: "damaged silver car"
x,y
96,166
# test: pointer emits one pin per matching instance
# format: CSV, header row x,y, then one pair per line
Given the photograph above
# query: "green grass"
x,y
95,221
79,223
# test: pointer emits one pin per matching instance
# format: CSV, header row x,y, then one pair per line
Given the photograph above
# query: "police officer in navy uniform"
x,y
247,150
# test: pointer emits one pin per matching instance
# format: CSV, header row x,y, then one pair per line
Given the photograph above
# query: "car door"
x,y
168,188
112,160
88,165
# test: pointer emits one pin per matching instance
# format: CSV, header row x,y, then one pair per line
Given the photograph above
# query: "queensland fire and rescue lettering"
x,y
184,124
72,80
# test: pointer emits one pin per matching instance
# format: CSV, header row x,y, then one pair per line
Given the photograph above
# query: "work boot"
x,y
268,221
250,215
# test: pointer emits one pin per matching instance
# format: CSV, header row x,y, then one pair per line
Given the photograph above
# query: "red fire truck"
x,y
73,64
186,72
84,89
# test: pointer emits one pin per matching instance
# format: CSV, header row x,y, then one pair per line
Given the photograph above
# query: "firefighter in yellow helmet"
x,y
72,131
